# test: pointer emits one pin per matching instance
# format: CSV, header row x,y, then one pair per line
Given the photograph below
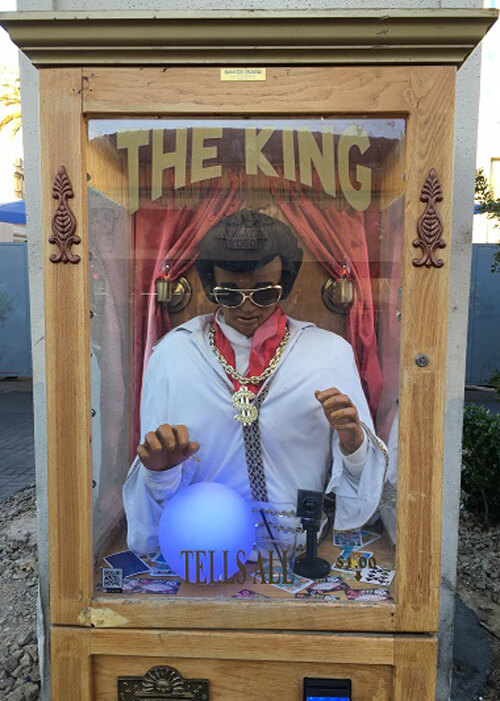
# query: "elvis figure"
x,y
250,397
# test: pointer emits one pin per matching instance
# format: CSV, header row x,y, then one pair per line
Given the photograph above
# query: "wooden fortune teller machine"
x,y
246,221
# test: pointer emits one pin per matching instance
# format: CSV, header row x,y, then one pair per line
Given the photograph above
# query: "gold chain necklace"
x,y
242,398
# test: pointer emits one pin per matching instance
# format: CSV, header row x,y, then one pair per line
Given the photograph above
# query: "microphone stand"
x,y
310,565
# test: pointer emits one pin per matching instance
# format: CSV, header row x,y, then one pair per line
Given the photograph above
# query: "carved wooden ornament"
x,y
429,227
63,221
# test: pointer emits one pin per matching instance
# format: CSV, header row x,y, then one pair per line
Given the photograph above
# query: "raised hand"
x,y
166,447
342,415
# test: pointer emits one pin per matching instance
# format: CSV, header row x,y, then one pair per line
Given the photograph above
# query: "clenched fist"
x,y
342,415
166,447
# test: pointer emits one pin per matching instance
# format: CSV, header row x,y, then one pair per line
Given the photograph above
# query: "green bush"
x,y
494,380
481,463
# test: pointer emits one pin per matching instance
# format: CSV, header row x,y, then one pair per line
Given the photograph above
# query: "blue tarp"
x,y
482,208
13,212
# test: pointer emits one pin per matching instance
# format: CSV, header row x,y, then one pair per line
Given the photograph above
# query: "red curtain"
x,y
168,234
337,238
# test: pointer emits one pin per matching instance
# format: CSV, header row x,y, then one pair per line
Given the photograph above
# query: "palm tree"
x,y
10,101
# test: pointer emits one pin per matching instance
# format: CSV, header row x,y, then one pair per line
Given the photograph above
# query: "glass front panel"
x,y
245,287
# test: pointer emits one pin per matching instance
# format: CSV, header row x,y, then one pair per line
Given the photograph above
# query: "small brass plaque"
x,y
243,74
162,684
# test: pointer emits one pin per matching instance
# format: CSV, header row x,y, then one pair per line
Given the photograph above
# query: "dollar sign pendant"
x,y
247,413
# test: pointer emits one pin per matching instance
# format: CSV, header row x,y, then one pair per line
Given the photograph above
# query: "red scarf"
x,y
265,341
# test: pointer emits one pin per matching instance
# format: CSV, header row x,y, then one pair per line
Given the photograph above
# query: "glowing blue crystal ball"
x,y
205,530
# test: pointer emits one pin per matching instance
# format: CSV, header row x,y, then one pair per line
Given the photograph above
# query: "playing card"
x,y
346,574
377,575
161,571
159,559
128,562
316,596
369,595
329,584
144,585
248,594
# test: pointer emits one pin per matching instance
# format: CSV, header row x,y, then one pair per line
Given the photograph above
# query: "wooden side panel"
x,y
67,342
415,669
71,674
422,389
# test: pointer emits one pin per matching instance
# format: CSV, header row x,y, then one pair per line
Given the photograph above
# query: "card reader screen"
x,y
327,698
327,689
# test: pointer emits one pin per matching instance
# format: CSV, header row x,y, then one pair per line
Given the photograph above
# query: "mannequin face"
x,y
248,317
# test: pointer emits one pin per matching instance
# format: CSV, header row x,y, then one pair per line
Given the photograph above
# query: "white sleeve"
x,y
144,495
145,491
354,462
357,483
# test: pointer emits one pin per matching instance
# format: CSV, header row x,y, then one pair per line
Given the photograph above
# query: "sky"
x,y
9,148
488,142
489,104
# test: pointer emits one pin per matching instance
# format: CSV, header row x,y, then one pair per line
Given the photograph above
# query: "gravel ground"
x,y
478,586
19,675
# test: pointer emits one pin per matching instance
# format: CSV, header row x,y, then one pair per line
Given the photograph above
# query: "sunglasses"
x,y
261,296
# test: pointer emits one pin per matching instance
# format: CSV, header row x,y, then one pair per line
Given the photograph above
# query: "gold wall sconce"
x,y
338,295
175,294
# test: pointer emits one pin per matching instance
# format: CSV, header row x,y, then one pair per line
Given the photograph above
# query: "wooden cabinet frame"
x,y
425,97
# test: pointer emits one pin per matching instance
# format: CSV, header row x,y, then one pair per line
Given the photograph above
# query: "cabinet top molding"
x,y
321,37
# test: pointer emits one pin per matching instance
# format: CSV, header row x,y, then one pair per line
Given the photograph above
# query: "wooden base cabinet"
x,y
240,666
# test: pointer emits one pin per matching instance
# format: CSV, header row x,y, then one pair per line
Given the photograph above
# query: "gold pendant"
x,y
247,413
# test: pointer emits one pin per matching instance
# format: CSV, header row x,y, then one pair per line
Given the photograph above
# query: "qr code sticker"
x,y
112,579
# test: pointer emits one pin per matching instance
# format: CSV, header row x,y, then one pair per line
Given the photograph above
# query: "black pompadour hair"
x,y
245,241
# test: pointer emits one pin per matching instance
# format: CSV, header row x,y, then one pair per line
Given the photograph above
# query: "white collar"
x,y
198,325
235,337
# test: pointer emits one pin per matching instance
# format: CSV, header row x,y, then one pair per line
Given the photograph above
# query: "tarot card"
x,y
367,537
352,558
377,575
144,585
248,594
369,595
343,539
293,584
329,584
128,562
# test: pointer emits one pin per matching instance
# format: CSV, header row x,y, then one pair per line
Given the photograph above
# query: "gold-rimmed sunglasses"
x,y
260,296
